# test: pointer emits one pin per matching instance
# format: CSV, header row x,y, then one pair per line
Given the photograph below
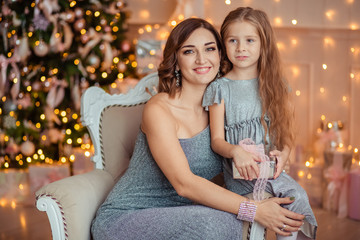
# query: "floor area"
x,y
24,222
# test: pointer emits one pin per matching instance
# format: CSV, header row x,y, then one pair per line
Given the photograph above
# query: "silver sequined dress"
x,y
243,120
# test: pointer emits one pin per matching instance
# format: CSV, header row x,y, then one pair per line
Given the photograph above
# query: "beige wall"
x,y
322,35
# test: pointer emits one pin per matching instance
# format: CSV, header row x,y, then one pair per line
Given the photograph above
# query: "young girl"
x,y
252,101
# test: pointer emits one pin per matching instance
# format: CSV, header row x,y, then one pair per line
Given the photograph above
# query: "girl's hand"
x,y
271,215
281,157
245,163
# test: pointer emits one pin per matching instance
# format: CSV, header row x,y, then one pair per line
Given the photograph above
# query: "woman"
x,y
173,163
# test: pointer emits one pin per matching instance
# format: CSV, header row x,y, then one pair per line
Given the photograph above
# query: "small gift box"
x,y
42,174
267,166
13,186
354,195
272,169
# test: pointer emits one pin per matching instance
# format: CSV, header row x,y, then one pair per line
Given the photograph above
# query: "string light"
x,y
354,26
144,14
330,14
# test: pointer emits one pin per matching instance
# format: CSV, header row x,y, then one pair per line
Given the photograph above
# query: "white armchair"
x,y
113,122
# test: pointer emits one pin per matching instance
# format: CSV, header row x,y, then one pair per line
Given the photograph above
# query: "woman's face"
x,y
199,58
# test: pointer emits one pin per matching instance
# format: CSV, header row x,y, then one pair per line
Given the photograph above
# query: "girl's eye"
x,y
232,40
251,40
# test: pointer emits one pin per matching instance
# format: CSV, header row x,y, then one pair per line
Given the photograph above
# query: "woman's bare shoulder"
x,y
157,112
159,102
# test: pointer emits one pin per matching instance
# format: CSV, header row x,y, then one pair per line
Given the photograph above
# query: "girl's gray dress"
x,y
144,205
242,120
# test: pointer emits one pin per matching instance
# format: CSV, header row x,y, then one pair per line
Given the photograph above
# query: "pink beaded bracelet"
x,y
247,211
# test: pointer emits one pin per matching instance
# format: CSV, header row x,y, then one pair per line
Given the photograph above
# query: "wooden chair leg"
x,y
254,231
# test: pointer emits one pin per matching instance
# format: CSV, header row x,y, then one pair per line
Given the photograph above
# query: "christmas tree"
x,y
50,52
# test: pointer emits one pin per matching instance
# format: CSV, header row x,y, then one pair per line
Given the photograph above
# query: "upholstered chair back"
x,y
119,128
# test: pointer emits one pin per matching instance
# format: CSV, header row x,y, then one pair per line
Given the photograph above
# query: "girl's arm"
x,y
282,157
245,162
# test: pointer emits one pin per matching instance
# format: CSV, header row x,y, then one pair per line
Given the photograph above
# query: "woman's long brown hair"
x,y
166,71
273,89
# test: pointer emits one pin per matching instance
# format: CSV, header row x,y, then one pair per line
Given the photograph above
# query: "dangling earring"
x,y
177,75
218,75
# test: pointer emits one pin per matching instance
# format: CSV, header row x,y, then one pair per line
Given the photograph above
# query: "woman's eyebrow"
x,y
189,46
209,43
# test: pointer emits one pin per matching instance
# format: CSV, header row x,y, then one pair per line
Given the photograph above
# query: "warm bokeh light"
x,y
144,14
330,14
278,21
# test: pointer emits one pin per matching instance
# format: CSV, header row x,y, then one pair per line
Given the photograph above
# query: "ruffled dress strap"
x,y
213,94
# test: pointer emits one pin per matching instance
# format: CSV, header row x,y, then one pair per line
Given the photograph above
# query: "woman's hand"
x,y
271,215
281,157
245,163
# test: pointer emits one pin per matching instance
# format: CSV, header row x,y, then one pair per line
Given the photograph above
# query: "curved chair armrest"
x,y
71,203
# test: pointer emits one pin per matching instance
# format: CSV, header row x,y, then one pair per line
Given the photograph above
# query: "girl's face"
x,y
199,58
242,44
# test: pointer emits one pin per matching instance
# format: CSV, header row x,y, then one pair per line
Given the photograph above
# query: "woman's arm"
x,y
244,161
161,132
160,128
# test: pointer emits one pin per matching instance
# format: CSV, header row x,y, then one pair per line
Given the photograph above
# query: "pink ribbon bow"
x,y
259,189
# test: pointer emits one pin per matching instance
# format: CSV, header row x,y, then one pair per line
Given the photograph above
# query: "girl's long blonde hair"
x,y
273,89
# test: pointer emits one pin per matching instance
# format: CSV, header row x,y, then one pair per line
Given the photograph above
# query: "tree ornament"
x,y
79,24
25,101
121,66
93,76
41,49
36,86
12,148
69,16
9,122
9,106
79,13
125,46
24,49
84,38
15,20
27,148
40,22
120,4
94,60
103,22
107,29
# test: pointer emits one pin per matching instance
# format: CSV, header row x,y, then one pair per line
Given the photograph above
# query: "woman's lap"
x,y
185,222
